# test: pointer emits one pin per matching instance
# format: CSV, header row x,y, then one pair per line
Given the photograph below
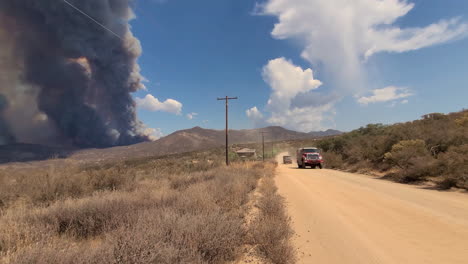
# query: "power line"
x,y
94,20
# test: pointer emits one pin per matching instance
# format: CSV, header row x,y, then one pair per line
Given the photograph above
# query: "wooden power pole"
x,y
263,144
227,141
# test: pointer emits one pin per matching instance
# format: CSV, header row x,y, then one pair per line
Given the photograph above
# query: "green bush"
x,y
412,157
455,167
404,152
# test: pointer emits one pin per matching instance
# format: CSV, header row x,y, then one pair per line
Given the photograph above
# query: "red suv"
x,y
309,157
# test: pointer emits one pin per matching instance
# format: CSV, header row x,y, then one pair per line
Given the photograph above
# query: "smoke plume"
x,y
63,78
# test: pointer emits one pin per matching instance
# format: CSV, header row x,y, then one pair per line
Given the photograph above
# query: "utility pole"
x,y
263,144
272,149
227,141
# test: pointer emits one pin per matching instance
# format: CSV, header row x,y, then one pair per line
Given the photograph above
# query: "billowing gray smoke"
x,y
63,78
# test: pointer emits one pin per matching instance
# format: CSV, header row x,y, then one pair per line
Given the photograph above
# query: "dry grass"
x,y
271,229
174,209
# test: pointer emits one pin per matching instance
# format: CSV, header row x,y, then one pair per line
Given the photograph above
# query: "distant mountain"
x,y
197,138
217,137
192,139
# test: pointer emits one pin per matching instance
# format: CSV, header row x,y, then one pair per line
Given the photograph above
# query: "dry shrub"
x,y
233,195
272,235
46,186
117,178
333,160
185,218
271,229
18,233
63,252
93,216
79,219
157,236
170,237
362,166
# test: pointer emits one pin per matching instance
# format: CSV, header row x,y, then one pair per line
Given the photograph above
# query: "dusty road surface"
x,y
350,218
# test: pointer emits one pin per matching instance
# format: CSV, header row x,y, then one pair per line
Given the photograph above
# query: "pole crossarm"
x,y
227,98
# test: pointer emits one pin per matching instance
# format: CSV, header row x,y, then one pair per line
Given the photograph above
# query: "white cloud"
x,y
191,116
152,103
255,116
153,133
390,93
342,34
288,82
253,113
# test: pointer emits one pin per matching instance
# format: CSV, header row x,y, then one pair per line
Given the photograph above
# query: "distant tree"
x,y
433,116
372,129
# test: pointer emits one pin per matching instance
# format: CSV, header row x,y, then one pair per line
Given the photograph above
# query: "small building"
x,y
247,153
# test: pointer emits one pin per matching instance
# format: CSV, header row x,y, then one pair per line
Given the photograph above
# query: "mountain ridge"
x,y
185,140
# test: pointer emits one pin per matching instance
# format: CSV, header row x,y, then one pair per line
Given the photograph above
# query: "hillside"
x,y
193,139
197,138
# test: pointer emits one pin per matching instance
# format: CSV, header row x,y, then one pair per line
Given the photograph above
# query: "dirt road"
x,y
350,218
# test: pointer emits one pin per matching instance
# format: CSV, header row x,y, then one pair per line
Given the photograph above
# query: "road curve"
x,y
343,217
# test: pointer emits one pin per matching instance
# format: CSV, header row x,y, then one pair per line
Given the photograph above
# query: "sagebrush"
x,y
184,208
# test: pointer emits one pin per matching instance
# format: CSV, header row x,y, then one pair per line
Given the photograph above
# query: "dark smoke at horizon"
x,y
66,80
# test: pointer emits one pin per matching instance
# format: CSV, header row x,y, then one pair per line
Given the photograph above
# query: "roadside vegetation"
x,y
433,148
184,208
271,228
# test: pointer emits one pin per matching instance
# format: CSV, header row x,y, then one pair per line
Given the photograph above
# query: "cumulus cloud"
x,y
151,103
191,116
153,133
339,37
253,113
288,82
255,116
390,93
342,34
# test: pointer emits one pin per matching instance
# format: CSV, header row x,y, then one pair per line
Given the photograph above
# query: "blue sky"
x,y
195,51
